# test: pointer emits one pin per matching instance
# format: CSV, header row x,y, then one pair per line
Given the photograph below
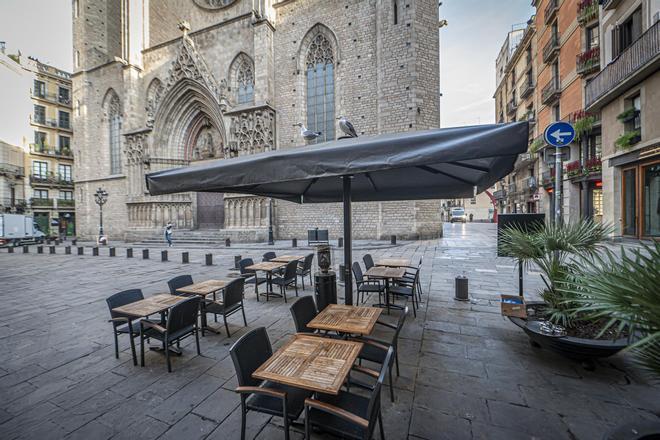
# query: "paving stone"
x,y
190,427
433,425
535,421
453,364
146,428
447,402
183,401
218,406
92,430
230,428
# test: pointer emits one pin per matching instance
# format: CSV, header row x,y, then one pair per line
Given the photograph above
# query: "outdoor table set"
x,y
204,289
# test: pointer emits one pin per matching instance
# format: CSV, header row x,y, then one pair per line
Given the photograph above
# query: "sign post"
x,y
560,135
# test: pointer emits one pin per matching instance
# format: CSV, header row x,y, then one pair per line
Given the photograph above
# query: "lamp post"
x,y
271,240
100,197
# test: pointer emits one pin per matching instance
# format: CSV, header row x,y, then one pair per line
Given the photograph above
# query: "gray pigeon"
x,y
346,126
308,135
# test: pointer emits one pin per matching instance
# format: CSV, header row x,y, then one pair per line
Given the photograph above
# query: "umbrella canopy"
x,y
430,164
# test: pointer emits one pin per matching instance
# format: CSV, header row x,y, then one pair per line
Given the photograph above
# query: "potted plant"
x,y
583,122
573,169
553,322
628,139
628,115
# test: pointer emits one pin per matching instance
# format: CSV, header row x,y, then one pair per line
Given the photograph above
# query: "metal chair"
x,y
268,256
348,415
181,323
303,311
119,322
248,354
407,289
289,278
411,271
368,261
179,282
232,302
364,285
250,276
305,268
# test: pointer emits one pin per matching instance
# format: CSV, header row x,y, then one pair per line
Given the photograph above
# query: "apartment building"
x,y
626,92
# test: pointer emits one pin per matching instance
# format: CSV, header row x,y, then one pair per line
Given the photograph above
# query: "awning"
x,y
431,164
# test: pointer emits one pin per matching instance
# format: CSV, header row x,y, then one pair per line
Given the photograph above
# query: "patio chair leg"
x,y
391,385
141,349
380,426
167,357
243,418
117,345
226,326
311,283
243,312
302,279
197,340
307,424
283,291
396,361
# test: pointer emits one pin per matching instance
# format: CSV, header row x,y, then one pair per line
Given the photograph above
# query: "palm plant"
x,y
623,292
552,247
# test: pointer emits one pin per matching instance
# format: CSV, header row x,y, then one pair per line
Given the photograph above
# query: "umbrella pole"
x,y
348,257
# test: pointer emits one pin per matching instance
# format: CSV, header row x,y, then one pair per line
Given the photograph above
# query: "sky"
x,y
468,47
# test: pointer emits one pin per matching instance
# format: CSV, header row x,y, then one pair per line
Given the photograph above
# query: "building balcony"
x,y
50,180
530,183
511,106
548,178
633,65
610,4
527,88
54,98
551,49
500,194
589,170
11,170
51,123
36,202
530,117
551,92
587,11
14,206
511,189
48,150
588,61
68,203
551,11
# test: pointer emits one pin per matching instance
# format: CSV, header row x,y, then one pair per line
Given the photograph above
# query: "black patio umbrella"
x,y
431,164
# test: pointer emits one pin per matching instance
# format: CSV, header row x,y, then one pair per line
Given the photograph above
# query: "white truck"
x,y
18,229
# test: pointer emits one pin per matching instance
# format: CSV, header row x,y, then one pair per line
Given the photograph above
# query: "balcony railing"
x,y
588,61
511,106
548,177
511,189
530,117
530,183
8,204
551,91
36,201
527,88
53,97
610,4
66,203
551,10
632,60
8,169
500,194
551,49
50,150
587,11
50,179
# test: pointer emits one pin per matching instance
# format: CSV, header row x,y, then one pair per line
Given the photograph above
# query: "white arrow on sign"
x,y
559,135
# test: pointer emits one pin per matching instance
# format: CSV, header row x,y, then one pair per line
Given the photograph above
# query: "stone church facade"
x,y
160,84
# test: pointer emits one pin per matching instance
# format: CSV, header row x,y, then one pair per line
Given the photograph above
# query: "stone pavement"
x,y
466,372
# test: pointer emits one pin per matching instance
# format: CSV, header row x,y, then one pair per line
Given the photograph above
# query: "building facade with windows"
x,y
158,85
626,93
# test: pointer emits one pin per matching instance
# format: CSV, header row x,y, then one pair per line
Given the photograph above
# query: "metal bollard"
x,y
51,249
10,249
81,250
40,249
163,255
26,249
57,241
145,254
209,259
185,257
74,242
294,242
237,258
340,242
67,250
48,240
129,252
95,251
392,239
228,242
461,293
113,252
342,274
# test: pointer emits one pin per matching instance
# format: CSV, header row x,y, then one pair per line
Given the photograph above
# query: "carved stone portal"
x,y
208,145
252,131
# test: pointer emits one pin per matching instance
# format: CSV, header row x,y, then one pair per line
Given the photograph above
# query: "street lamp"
x,y
271,241
100,197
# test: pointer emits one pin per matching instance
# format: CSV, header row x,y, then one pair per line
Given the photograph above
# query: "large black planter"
x,y
574,348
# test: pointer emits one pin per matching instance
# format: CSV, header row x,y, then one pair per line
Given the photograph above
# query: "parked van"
x,y
457,215
18,229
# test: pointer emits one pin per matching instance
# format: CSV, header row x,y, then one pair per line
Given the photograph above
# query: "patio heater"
x,y
101,197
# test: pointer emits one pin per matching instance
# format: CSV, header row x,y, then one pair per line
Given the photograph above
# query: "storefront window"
x,y
651,200
629,202
597,204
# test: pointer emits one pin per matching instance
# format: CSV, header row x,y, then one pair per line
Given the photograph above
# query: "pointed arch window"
x,y
320,77
244,80
114,134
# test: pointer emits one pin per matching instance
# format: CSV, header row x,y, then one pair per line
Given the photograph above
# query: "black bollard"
x,y
294,242
113,252
129,252
145,254
163,255
81,250
48,240
26,249
74,242
40,249
237,258
461,289
51,249
95,251
185,257
228,242
340,242
10,249
67,250
209,259
57,241
392,239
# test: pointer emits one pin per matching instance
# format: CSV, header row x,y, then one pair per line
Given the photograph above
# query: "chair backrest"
x,y
307,263
374,400
290,270
303,311
357,272
269,256
233,292
245,262
121,299
249,353
368,261
179,282
183,314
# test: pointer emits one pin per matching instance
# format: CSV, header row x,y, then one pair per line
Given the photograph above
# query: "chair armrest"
x,y
339,412
119,319
154,325
365,370
261,390
373,342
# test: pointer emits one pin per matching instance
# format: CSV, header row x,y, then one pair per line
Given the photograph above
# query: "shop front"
x,y
640,196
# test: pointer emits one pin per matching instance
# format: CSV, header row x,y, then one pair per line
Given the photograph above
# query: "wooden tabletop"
x,y
204,288
311,362
393,262
346,319
385,272
266,266
149,306
287,258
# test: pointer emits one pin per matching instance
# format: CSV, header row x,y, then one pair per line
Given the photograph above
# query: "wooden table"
x,y
346,319
393,262
287,258
268,267
311,362
203,289
387,274
146,307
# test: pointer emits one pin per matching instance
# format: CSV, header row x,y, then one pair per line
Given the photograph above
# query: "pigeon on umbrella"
x,y
308,135
346,126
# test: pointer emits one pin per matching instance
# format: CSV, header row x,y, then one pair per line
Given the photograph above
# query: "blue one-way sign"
x,y
559,134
